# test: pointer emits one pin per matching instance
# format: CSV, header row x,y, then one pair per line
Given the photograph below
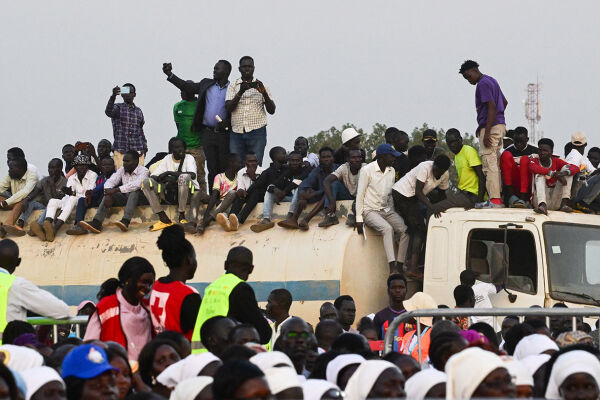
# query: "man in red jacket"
x,y
552,179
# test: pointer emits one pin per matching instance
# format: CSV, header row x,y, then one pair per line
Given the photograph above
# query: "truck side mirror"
x,y
499,263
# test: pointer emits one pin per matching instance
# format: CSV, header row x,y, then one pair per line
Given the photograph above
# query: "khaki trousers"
x,y
389,223
198,154
552,196
118,159
490,159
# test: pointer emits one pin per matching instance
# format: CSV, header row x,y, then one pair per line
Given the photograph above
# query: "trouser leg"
x,y
588,193
490,159
376,221
52,208
31,207
539,195
199,157
256,141
150,190
67,206
183,191
80,210
460,199
224,205
268,204
251,201
399,227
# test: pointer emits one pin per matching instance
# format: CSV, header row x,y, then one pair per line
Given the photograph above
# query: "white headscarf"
x,y
533,363
570,363
519,372
467,369
420,383
190,388
37,377
21,358
534,344
184,369
281,378
339,363
270,359
362,381
314,389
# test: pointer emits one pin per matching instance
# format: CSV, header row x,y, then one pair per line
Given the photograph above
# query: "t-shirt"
x,y
579,160
465,160
224,185
488,90
424,173
349,180
384,318
183,113
482,292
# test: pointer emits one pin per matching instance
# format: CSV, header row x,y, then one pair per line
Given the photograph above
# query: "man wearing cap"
x,y
373,205
88,374
578,158
490,103
18,295
350,141
514,164
430,143
77,185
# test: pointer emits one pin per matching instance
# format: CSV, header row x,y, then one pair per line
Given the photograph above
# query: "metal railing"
x,y
77,320
444,313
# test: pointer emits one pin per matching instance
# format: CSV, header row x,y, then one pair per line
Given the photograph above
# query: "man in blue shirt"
x,y
211,121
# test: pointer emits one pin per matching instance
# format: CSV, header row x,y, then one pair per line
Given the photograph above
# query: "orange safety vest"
x,y
411,347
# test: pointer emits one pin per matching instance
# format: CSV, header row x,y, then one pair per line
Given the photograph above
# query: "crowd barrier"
x,y
78,320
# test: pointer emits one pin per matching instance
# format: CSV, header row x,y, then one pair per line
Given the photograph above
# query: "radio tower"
x,y
533,111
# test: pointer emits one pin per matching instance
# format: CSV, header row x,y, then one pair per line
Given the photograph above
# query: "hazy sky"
x,y
326,63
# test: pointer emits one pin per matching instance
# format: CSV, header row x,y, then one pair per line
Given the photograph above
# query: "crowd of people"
x,y
148,338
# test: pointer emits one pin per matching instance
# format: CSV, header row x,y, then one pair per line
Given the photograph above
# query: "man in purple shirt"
x,y
128,124
491,128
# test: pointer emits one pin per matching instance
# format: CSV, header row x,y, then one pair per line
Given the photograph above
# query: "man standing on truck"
x,y
491,127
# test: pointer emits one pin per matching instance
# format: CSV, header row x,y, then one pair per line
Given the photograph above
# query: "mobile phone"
x,y
125,90
253,84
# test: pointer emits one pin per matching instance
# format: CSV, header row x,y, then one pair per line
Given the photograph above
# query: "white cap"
x,y
466,370
190,388
21,358
281,378
421,301
37,377
570,363
314,389
348,134
270,359
533,363
420,383
520,374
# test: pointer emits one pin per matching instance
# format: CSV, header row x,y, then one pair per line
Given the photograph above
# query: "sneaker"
x,y
234,224
262,226
14,230
36,230
329,220
583,207
93,226
76,230
223,221
351,220
488,204
123,225
49,230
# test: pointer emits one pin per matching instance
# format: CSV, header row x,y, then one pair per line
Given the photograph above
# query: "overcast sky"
x,y
326,63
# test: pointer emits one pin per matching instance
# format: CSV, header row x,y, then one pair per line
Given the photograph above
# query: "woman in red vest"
x,y
122,314
174,304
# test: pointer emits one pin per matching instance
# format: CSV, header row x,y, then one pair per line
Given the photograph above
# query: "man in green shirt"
x,y
183,114
471,181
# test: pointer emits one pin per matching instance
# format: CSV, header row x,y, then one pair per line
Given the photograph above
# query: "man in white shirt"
x,y
482,291
373,206
173,181
309,159
24,295
78,184
411,189
278,311
123,188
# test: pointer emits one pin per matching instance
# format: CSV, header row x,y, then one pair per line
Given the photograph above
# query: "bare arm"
x,y
491,115
481,191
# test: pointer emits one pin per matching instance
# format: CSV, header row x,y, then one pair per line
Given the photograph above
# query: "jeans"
x,y
82,208
269,203
340,192
589,191
216,149
130,200
33,205
253,141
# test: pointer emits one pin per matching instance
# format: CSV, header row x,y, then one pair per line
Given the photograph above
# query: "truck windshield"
x,y
573,253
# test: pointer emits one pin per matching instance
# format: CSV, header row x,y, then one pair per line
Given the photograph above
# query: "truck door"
x,y
525,276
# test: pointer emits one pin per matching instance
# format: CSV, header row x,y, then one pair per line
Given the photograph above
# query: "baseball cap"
x,y
82,159
578,139
85,362
429,136
348,134
386,148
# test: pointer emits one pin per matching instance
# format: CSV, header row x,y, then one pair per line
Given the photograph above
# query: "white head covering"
x,y
270,359
339,363
281,378
362,381
420,383
184,369
20,358
37,377
314,389
421,301
534,344
533,363
190,388
467,369
519,372
568,364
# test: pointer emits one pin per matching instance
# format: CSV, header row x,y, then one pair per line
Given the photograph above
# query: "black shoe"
x,y
76,230
351,220
330,219
93,226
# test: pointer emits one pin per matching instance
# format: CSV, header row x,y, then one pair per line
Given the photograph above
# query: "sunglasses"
x,y
303,335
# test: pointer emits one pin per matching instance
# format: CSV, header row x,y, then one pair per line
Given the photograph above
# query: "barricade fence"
x,y
445,313
78,320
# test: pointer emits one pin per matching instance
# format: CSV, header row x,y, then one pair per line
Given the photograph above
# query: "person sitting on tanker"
x,y
14,188
341,184
399,139
311,190
308,159
350,141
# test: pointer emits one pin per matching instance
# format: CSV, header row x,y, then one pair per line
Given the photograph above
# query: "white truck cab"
x,y
541,260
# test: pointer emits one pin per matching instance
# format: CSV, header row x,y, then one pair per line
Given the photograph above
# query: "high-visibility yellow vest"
x,y
269,346
214,303
6,281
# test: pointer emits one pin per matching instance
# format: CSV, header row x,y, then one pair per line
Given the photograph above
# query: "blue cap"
x,y
86,361
386,148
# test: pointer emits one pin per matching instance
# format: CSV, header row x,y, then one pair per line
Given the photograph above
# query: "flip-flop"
x,y
160,226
